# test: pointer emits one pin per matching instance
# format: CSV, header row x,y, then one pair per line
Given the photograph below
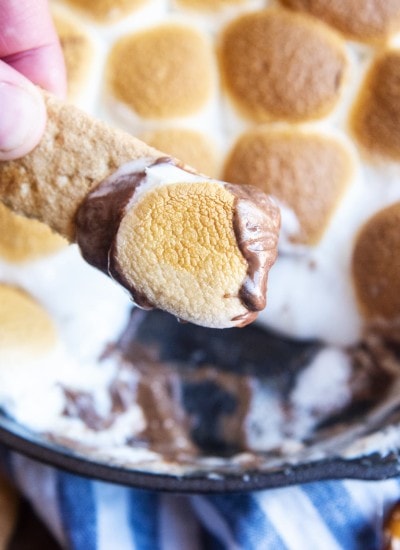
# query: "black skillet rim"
x,y
372,467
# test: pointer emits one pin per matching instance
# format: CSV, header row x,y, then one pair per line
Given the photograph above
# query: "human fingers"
x,y
29,43
22,114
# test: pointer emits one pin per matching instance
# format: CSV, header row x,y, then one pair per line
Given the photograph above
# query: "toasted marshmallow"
x,y
30,354
375,115
27,332
376,265
78,49
105,11
210,5
307,172
23,240
193,148
366,21
162,72
281,66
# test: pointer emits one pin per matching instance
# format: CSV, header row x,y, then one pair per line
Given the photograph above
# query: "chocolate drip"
x,y
100,215
166,430
256,223
98,220
80,404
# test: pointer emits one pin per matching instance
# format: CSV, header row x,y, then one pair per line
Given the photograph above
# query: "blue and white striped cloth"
x,y
85,514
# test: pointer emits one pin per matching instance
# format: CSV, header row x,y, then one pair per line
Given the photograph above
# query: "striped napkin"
x,y
84,514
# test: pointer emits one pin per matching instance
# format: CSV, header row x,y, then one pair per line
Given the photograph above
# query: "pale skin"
x,y
30,54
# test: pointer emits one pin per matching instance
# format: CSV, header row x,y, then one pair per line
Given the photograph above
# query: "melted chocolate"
x,y
256,223
166,426
100,214
80,404
196,388
98,220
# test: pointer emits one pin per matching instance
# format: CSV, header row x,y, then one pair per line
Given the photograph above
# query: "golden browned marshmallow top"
x,y
278,65
26,330
191,147
376,265
162,72
209,4
376,114
306,172
195,247
22,239
187,229
366,21
78,51
107,10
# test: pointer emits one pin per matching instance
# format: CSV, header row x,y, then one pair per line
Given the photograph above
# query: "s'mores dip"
x,y
289,99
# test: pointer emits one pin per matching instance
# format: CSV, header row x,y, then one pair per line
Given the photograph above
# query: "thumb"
x,y
22,114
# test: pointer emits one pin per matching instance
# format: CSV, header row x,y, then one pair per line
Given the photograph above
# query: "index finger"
x,y
29,43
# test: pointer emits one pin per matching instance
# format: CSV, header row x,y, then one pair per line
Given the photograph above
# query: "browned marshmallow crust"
x,y
105,11
370,21
375,116
376,265
278,65
170,71
305,171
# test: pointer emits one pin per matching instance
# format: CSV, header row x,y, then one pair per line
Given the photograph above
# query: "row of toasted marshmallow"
x,y
371,23
167,72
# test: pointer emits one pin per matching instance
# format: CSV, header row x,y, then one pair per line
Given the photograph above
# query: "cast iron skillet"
x,y
249,351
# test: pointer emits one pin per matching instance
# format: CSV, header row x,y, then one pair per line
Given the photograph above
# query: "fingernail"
x,y
18,115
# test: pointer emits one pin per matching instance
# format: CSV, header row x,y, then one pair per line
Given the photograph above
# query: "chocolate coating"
x,y
97,223
100,214
256,223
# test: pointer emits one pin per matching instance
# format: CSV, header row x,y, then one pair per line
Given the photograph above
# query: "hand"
x,y
29,53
